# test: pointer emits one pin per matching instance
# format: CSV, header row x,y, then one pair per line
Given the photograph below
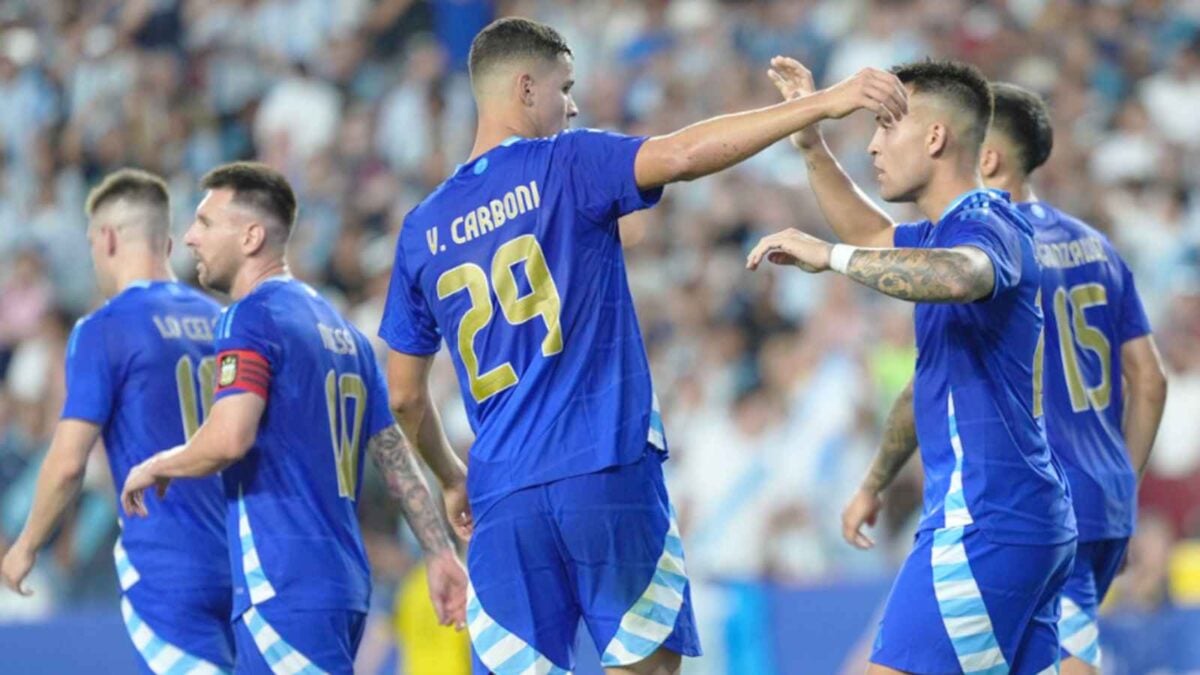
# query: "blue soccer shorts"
x,y
602,547
274,639
1096,564
179,632
965,604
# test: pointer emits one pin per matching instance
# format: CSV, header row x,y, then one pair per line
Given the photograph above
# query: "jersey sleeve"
x,y
999,242
909,235
247,347
1132,322
408,325
602,173
90,381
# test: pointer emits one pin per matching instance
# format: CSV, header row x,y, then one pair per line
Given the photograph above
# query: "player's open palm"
x,y
793,80
18,561
871,89
448,588
791,247
862,511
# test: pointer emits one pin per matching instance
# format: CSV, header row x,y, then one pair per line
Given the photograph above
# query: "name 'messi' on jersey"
x,y
1071,253
486,218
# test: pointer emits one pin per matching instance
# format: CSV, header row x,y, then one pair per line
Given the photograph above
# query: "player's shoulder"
x,y
1048,220
269,299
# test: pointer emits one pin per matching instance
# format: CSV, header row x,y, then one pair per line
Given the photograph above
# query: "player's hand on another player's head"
x,y
448,588
458,510
871,89
862,511
791,247
18,561
793,81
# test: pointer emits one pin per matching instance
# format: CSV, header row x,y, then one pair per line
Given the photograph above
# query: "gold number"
x,y
542,301
473,278
1091,339
1076,330
345,437
187,377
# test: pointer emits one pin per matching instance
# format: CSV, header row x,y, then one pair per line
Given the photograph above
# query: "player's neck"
x,y
1018,187
493,131
254,273
944,190
142,268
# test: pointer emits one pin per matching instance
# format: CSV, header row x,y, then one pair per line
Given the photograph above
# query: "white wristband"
x,y
839,257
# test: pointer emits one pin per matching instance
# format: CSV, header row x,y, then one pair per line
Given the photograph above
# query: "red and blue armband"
x,y
241,370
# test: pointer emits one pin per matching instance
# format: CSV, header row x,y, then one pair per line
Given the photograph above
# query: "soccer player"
x,y
298,398
979,592
1104,385
516,259
139,375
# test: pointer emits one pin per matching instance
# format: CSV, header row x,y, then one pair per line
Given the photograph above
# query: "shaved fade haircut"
x,y
512,39
961,85
259,187
1022,117
143,192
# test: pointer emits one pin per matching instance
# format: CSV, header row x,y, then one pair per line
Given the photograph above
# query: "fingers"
x,y
764,246
134,503
160,488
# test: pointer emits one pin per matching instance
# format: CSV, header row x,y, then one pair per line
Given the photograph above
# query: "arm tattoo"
x,y
923,274
899,443
395,460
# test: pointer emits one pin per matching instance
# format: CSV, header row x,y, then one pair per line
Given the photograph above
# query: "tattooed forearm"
x,y
899,443
396,462
962,274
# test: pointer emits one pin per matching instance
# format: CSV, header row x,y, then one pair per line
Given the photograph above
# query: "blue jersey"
x,y
141,368
1092,308
985,453
516,259
291,499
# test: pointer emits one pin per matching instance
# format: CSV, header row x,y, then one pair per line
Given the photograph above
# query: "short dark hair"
x,y
960,83
512,38
132,184
258,186
1023,117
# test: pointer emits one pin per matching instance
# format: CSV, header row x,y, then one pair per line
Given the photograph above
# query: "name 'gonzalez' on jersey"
x,y
517,259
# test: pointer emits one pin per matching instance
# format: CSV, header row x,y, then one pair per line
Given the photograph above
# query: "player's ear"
x,y
170,246
110,240
254,237
935,139
525,89
989,161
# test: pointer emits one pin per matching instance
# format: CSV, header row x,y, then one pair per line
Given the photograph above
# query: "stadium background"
x,y
773,385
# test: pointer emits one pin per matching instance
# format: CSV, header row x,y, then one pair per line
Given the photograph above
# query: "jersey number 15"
x,y
1071,332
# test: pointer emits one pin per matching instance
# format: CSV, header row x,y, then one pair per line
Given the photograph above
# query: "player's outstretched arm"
x,y
447,580
854,218
899,443
1145,397
224,438
412,404
58,484
952,275
718,143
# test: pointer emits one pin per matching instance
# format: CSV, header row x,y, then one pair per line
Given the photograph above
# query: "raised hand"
x,y
791,247
869,89
793,80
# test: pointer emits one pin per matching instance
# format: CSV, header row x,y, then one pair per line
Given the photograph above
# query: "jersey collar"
x,y
958,201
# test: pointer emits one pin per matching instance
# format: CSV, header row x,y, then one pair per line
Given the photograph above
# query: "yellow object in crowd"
x,y
426,648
